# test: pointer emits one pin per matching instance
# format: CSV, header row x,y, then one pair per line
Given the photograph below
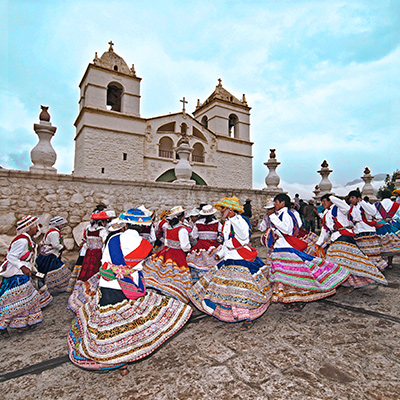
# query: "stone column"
x,y
272,180
368,189
325,185
317,191
397,180
43,155
183,170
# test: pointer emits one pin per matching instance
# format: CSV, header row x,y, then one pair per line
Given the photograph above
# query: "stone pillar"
x,y
317,191
183,170
272,180
43,155
397,180
325,185
368,189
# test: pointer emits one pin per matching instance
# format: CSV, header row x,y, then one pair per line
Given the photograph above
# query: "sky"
x,y
322,77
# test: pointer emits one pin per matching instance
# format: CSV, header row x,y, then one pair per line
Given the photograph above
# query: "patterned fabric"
x,y
296,276
231,293
311,239
349,256
370,245
19,303
83,292
390,242
91,264
110,336
74,274
202,259
168,272
57,273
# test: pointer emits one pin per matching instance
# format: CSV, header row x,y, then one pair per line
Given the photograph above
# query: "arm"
x,y
18,249
323,237
183,235
369,209
195,232
341,204
285,226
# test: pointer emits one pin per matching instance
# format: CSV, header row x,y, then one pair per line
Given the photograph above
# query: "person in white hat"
x,y
167,270
206,231
20,302
48,262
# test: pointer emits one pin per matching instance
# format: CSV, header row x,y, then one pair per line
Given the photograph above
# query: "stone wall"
x,y
74,198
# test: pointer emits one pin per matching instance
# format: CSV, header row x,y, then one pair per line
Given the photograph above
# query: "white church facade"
x,y
113,141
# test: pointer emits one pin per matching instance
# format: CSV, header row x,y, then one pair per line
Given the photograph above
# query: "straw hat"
x,y
208,210
175,211
269,204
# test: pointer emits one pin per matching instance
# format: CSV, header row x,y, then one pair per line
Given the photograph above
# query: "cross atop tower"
x,y
184,102
111,45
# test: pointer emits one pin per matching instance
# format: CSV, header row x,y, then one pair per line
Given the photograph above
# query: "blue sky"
x,y
322,77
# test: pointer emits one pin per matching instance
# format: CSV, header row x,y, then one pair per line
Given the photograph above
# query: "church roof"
x,y
220,93
113,61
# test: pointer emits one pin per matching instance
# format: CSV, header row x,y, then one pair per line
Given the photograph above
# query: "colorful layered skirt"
x,y
233,290
344,252
168,272
107,337
200,260
57,273
390,241
75,273
83,292
298,277
20,303
370,245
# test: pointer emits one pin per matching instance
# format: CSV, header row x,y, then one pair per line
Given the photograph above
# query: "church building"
x,y
115,143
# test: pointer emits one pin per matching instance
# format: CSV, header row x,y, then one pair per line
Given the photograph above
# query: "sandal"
x,y
246,325
288,306
124,370
4,333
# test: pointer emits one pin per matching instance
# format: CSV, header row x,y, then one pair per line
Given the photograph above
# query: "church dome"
x,y
113,61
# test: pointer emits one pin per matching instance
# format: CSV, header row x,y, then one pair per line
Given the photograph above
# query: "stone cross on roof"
x,y
111,45
184,102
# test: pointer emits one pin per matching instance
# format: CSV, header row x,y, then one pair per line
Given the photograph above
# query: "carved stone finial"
x,y
198,103
367,171
272,153
244,99
133,69
324,164
96,58
111,45
44,115
219,82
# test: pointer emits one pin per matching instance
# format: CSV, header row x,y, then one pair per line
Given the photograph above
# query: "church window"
x,y
115,67
102,170
165,147
124,156
114,96
233,126
198,153
204,121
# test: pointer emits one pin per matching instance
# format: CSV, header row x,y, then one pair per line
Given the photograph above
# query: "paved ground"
x,y
346,347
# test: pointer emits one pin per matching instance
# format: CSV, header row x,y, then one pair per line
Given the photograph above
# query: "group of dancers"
x,y
135,281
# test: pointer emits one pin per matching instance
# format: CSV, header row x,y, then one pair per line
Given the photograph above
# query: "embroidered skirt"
x,y
91,264
390,241
19,303
75,273
370,245
362,270
83,292
168,272
298,277
200,261
107,337
232,292
57,273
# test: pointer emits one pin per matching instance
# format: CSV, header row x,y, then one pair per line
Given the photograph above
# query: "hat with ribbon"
x,y
208,209
229,202
57,221
135,216
97,216
26,223
175,211
269,204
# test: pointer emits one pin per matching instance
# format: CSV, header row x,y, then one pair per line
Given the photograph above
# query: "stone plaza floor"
x,y
343,347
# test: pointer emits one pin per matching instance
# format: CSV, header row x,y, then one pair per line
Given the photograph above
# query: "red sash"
x,y
363,217
296,242
248,255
